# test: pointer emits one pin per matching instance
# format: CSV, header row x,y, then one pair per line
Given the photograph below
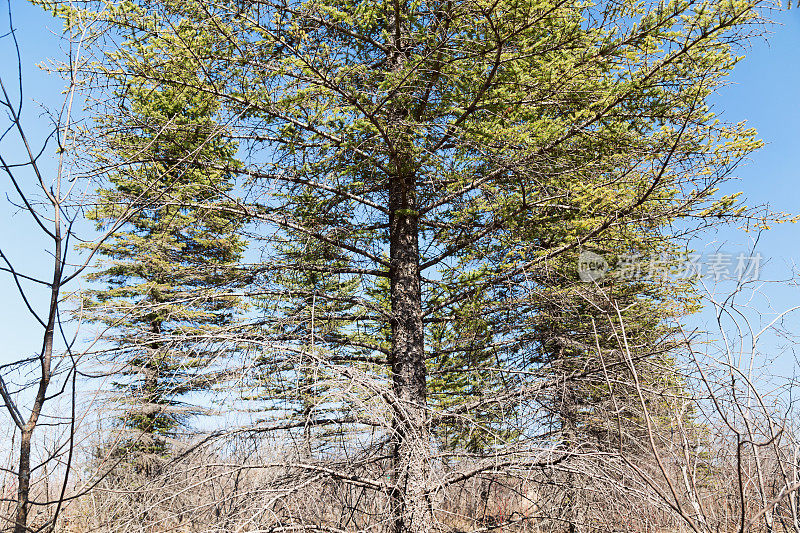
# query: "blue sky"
x,y
19,239
763,90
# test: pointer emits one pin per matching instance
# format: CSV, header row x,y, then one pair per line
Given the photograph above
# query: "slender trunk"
x,y
24,465
410,511
23,482
45,359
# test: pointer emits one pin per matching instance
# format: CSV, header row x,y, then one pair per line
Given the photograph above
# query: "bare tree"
x,y
714,452
46,189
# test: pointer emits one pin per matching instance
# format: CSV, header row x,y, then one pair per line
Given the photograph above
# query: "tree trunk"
x,y
23,483
26,433
410,510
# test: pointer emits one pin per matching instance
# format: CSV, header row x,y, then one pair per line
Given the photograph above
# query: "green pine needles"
x,y
166,288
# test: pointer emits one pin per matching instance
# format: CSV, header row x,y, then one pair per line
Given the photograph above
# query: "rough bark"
x,y
412,444
23,483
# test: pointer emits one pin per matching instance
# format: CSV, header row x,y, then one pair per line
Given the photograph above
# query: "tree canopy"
x,y
421,178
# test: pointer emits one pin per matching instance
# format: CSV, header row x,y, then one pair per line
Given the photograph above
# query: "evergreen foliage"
x,y
425,175
170,271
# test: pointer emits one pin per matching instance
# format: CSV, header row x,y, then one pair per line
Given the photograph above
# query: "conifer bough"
x,y
445,162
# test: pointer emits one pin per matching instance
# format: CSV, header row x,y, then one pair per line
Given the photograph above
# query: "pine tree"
x,y
299,316
170,271
464,153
